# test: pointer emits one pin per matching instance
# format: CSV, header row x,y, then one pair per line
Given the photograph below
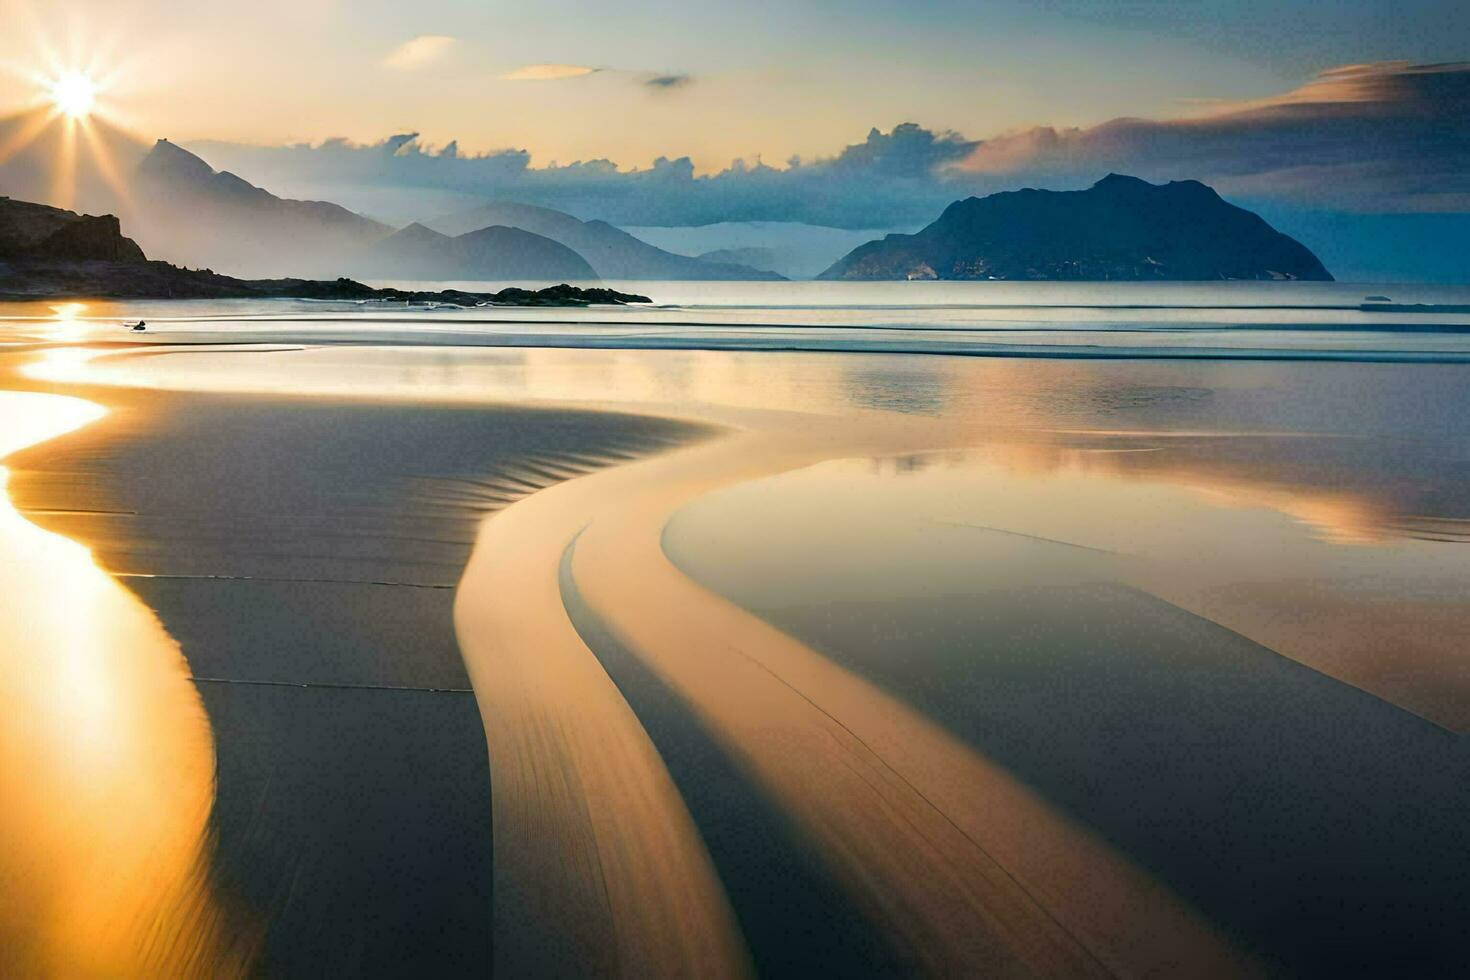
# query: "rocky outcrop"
x,y
43,280
37,232
91,239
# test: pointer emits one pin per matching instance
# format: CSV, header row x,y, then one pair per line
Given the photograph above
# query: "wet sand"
x,y
106,761
304,557
1186,746
959,867
446,581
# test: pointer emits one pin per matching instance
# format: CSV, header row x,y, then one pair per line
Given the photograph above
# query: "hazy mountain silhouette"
x,y
50,253
1121,228
190,213
493,253
207,217
173,203
795,250
614,253
754,256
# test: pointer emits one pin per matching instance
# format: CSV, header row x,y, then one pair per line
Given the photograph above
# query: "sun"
x,y
74,94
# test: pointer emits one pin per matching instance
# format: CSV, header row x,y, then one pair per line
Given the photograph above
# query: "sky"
x,y
758,78
853,114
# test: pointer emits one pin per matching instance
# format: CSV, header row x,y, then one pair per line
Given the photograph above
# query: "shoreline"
x,y
534,617
183,584
106,813
884,344
195,505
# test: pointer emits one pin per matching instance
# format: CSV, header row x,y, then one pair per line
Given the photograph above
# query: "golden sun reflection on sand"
x,y
106,758
61,364
67,323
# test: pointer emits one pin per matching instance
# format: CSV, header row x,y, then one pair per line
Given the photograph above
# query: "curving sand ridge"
x,y
962,866
599,869
343,814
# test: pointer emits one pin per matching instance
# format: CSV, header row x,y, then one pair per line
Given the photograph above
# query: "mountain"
x,y
38,233
755,256
614,253
796,250
189,212
48,253
1121,228
494,253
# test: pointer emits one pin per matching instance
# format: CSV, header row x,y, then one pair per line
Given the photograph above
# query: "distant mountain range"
x,y
205,217
1121,228
48,253
795,250
181,209
496,252
755,256
198,215
614,253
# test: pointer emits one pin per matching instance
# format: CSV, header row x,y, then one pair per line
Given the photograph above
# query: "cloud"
x,y
909,151
422,50
888,180
548,73
666,83
1388,136
1365,138
555,73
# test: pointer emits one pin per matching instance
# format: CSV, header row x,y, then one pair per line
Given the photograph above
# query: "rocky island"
x,y
1121,228
49,253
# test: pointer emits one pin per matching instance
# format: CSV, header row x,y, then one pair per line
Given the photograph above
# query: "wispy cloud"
x,y
667,83
548,73
1389,136
422,50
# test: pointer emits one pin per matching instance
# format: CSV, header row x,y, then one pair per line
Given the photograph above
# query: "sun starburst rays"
x,y
72,123
74,94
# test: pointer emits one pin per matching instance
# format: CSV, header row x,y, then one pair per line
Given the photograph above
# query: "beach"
x,y
292,587
705,641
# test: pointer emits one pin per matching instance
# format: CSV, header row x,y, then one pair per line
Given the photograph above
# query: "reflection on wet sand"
x,y
1091,492
304,554
1346,489
1367,587
961,867
1003,608
1339,552
106,760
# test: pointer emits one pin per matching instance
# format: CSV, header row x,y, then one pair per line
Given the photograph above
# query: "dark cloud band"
x,y
665,83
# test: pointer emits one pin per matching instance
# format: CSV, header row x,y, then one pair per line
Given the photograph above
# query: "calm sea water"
x,y
1316,320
